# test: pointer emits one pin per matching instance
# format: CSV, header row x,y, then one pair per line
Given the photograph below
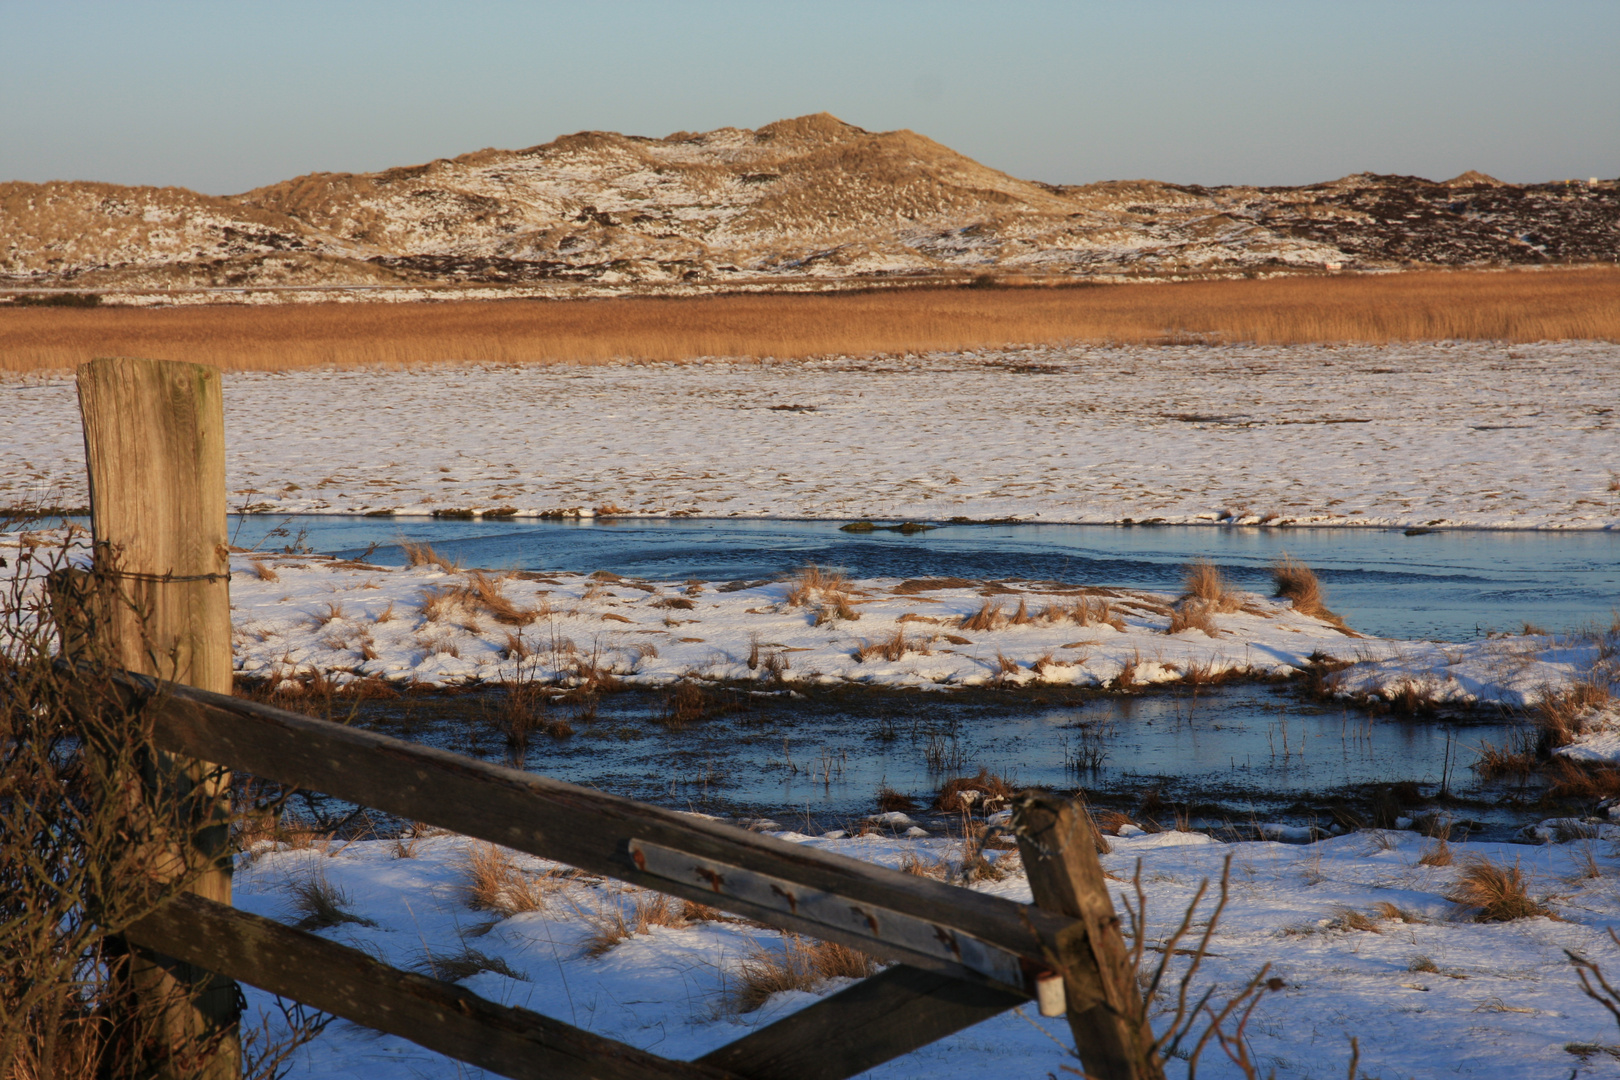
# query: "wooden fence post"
x,y
1105,1009
154,441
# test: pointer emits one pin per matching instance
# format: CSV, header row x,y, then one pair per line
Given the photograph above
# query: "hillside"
x,y
810,200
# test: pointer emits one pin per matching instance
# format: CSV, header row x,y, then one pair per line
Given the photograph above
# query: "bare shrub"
x,y
81,859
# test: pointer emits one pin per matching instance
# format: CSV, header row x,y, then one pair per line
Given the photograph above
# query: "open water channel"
x,y
1236,753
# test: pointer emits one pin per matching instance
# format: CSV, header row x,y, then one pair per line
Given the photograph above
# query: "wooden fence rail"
x,y
959,956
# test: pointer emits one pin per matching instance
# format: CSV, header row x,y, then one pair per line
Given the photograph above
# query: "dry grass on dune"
x,y
1505,306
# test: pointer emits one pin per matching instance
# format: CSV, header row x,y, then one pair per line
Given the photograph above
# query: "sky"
x,y
223,97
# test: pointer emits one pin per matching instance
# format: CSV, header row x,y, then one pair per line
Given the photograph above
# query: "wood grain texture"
x,y
892,1013
1106,1013
154,447
586,828
438,1015
154,444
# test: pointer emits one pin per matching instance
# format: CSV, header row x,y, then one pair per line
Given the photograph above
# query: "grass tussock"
x,y
801,964
982,791
611,926
989,617
494,882
1560,717
892,648
1495,892
464,963
889,800
1203,581
321,905
424,555
1428,306
263,570
1297,583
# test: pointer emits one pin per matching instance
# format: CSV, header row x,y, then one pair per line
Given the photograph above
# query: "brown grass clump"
x,y
1297,582
686,703
610,927
889,800
1021,617
263,570
1425,306
1562,716
1517,757
494,883
981,791
801,964
1436,854
1204,582
988,617
1192,615
483,593
891,648
424,555
1499,893
320,905
464,963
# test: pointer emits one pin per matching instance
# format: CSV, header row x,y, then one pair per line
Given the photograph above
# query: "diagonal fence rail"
x,y
155,456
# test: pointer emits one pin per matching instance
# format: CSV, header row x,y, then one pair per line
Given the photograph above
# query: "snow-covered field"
x,y
1428,992
1448,434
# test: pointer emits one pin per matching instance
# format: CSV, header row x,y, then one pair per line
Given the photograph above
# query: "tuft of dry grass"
x,y
1420,306
686,703
424,555
464,963
889,799
611,926
982,791
892,648
1436,854
801,964
320,905
263,570
494,883
988,617
1562,716
1204,582
1297,582
1192,615
1498,893
1516,757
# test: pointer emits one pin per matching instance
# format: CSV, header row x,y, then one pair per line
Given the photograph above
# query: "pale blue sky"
x,y
223,96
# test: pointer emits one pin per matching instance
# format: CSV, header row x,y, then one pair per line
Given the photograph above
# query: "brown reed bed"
x,y
1511,306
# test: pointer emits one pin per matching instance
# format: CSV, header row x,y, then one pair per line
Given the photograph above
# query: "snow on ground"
x,y
1449,434
439,625
1428,991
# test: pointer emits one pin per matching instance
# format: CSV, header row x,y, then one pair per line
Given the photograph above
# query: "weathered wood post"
x,y
154,443
1105,1009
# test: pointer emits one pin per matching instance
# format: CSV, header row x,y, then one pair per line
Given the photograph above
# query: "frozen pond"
x,y
1230,755
1452,585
